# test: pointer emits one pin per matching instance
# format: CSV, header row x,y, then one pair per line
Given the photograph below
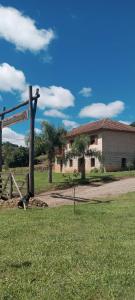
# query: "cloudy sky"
x,y
81,55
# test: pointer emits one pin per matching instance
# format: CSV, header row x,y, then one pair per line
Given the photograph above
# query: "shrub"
x,y
94,170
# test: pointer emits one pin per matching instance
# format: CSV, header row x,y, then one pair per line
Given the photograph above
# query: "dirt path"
x,y
86,193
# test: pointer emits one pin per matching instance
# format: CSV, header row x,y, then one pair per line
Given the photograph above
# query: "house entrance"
x,y
81,162
123,163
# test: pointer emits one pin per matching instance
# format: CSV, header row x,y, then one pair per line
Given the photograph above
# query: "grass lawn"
x,y
55,255
41,178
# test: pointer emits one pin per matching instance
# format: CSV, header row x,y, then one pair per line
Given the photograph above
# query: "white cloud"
x,y
9,135
102,110
54,113
52,97
125,122
70,124
86,91
39,120
21,31
38,131
11,79
55,97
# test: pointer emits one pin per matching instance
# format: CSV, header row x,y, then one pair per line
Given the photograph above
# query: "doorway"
x,y
123,163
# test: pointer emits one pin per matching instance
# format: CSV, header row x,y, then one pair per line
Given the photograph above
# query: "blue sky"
x,y
81,54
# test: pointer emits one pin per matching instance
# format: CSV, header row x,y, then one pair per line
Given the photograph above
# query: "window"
x,y
93,140
92,162
70,163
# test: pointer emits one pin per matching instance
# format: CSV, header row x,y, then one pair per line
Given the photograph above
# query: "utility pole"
x,y
2,118
0,158
32,112
31,144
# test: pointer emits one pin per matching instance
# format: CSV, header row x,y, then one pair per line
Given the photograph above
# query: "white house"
x,y
115,141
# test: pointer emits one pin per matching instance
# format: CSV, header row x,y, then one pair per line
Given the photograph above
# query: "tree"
x,y
132,124
52,139
39,147
80,148
15,156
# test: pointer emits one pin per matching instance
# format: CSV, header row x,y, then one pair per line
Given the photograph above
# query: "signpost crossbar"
x,y
15,119
19,105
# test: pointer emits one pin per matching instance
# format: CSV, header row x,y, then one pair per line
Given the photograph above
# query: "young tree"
x,y
39,147
80,149
52,139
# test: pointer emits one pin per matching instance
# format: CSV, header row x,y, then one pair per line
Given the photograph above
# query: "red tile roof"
x,y
105,124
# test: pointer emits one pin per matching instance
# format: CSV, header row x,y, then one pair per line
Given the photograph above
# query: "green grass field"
x,y
55,255
59,181
41,179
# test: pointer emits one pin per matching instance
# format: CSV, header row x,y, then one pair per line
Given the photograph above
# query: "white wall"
x,y
118,145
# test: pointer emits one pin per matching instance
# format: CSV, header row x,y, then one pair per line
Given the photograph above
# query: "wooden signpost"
x,y
4,122
15,119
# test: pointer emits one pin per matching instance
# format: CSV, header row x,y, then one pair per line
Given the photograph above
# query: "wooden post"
x,y
74,197
10,186
27,183
2,118
31,143
0,158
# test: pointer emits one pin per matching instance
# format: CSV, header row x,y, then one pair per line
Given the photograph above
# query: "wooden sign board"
x,y
15,119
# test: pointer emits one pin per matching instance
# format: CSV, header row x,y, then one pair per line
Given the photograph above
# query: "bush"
x,y
102,170
95,170
130,166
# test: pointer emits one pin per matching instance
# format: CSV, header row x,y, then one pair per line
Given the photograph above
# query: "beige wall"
x,y
114,146
117,145
67,168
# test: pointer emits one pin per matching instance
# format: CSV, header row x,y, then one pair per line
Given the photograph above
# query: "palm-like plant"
x,y
52,138
80,148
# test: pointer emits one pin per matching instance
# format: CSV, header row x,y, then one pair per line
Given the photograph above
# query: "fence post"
x,y
0,158
10,187
27,183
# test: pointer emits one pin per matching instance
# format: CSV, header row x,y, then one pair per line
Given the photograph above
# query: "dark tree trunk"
x,y
50,170
83,169
61,165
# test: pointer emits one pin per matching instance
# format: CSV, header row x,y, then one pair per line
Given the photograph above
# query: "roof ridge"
x,y
106,124
103,121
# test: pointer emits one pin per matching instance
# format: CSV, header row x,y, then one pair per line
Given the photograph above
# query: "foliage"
x,y
130,166
39,146
15,156
57,255
80,148
72,178
52,139
80,145
132,124
95,170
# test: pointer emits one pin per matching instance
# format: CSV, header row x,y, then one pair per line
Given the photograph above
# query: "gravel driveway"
x,y
85,193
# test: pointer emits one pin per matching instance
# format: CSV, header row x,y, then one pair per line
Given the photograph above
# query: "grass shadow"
x,y
94,180
24,264
79,199
102,178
